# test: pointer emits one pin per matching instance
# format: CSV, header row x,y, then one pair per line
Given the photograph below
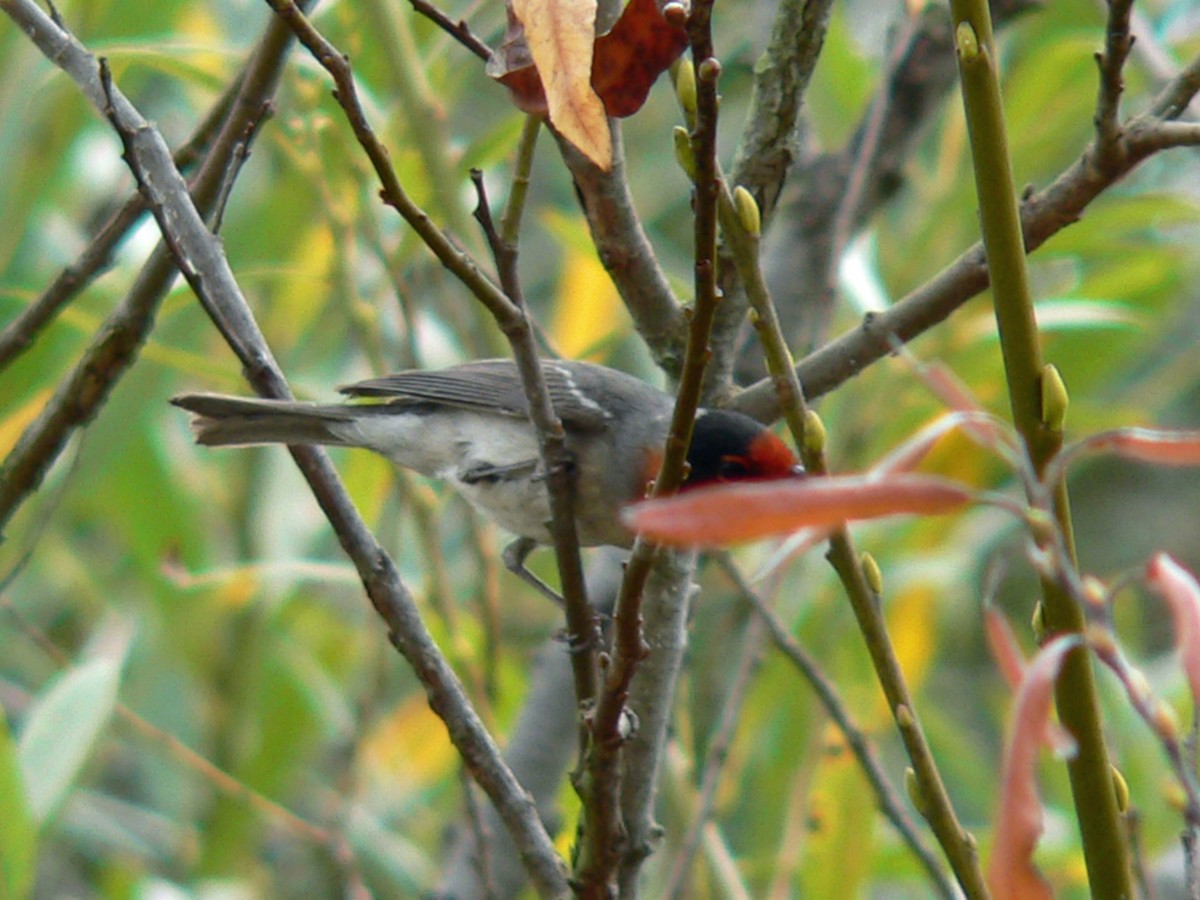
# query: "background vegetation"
x,y
268,739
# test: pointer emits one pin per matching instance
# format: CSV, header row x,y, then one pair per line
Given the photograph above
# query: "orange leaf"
x,y
1167,448
1011,873
733,513
1179,588
560,34
624,65
630,58
1003,644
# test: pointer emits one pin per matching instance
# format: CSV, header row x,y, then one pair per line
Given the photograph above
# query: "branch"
x,y
742,226
1111,62
1104,847
201,260
766,152
582,623
626,253
1043,214
110,355
781,76
920,73
457,30
887,798
20,333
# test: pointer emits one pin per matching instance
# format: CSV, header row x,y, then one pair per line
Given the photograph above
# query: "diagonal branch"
x,y
20,333
1043,214
80,396
202,262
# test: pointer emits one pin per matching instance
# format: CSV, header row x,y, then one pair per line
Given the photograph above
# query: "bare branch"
x,y
626,253
888,799
200,258
20,333
1043,214
85,389
1111,62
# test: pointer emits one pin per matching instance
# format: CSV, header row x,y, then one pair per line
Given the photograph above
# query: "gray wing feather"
x,y
487,386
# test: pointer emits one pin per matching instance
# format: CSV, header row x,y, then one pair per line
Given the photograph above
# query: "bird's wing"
x,y
491,386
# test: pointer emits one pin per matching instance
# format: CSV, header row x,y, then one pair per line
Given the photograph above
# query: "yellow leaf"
x,y
589,309
14,425
840,823
561,36
411,741
911,624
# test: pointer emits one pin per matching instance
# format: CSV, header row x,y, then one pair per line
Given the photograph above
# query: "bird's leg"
x,y
514,557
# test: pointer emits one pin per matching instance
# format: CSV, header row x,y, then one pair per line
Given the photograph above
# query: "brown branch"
x,y
19,334
116,346
921,74
1111,62
582,624
457,30
626,253
201,260
629,839
767,147
1043,214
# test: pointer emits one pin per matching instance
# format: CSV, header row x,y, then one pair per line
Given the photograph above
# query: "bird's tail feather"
x,y
220,421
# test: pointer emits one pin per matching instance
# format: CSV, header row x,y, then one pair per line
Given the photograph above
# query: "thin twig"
x,y
715,757
887,798
1111,62
583,627
457,30
19,334
629,643
200,258
743,237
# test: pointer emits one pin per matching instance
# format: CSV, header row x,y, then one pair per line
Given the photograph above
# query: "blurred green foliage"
x,y
240,629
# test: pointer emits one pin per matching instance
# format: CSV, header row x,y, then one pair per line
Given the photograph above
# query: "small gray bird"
x,y
468,425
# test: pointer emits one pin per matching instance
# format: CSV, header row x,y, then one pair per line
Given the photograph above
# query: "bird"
x,y
468,425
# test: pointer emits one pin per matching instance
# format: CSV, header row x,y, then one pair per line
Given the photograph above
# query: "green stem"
x,y
743,239
1104,848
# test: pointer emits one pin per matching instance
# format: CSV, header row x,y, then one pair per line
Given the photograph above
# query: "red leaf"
x,y
625,62
981,427
733,513
1005,650
1152,445
512,65
1011,873
629,59
1003,645
1179,588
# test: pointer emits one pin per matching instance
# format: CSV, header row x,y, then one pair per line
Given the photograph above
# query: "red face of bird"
x,y
728,446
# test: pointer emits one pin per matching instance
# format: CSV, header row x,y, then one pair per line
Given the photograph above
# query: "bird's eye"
x,y
733,467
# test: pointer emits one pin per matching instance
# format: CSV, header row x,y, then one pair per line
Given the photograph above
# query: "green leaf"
x,y
62,729
18,830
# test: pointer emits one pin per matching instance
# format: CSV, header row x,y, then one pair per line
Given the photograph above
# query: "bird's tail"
x,y
220,421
